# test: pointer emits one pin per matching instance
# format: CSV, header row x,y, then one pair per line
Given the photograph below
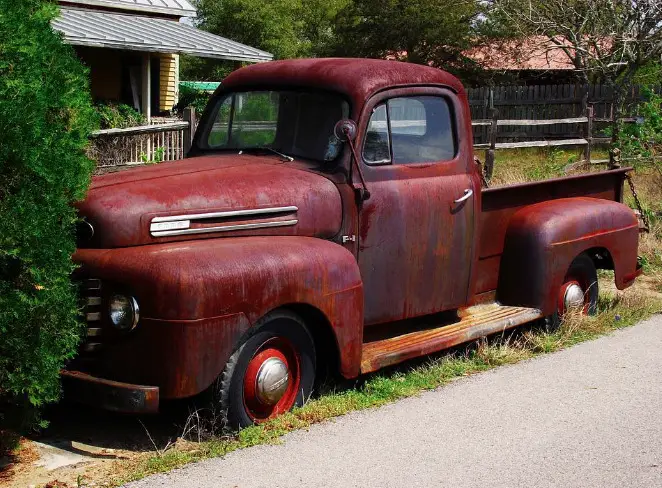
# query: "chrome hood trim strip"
x,y
230,213
177,225
225,228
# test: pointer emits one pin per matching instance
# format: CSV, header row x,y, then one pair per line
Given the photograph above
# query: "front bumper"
x,y
109,395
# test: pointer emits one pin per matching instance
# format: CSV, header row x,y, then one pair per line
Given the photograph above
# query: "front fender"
x,y
543,239
231,281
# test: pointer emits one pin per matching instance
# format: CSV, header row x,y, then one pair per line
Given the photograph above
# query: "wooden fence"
x,y
155,143
549,102
586,138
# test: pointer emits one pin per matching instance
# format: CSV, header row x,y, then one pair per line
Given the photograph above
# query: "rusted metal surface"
x,y
110,395
473,323
199,297
407,252
500,204
416,243
543,239
120,206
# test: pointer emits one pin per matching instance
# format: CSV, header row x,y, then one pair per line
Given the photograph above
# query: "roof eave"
x,y
138,8
192,52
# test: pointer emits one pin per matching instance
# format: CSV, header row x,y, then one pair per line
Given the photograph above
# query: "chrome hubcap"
x,y
574,297
272,381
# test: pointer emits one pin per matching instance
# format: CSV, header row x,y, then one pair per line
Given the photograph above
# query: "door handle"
x,y
467,195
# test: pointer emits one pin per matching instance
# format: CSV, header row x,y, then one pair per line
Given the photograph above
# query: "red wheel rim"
x,y
569,282
283,350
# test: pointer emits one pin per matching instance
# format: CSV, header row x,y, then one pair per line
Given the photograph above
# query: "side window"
x,y
417,130
376,148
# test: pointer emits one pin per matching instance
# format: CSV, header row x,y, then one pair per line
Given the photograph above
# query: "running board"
x,y
474,323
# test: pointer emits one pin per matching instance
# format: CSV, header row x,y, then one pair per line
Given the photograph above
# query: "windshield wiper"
x,y
284,156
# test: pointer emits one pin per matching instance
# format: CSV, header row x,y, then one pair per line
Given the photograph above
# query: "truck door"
x,y
417,229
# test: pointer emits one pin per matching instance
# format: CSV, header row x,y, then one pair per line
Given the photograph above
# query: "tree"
x,y
435,32
285,28
46,116
192,68
608,40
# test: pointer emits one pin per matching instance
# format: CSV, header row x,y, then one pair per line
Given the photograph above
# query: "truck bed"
x,y
500,203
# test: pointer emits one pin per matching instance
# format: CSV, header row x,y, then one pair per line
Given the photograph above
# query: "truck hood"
x,y
209,197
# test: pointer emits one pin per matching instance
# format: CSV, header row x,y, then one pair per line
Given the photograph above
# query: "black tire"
x,y
582,270
279,327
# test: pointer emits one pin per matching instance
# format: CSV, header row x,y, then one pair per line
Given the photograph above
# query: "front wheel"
x,y
272,371
578,292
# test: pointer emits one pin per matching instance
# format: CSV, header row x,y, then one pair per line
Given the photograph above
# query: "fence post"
x,y
489,153
589,133
189,132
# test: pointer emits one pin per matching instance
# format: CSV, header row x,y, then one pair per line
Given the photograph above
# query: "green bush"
x,y
191,97
118,116
643,140
46,117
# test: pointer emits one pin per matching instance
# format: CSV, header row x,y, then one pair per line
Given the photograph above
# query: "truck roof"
x,y
356,78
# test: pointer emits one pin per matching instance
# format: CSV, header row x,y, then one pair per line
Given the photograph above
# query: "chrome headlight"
x,y
124,312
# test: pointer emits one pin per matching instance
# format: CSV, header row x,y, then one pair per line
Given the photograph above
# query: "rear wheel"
x,y
272,371
578,292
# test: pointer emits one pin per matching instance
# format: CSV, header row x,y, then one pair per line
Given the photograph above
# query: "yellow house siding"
x,y
168,81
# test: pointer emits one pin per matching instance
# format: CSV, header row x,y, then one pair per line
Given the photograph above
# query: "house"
x,y
534,60
132,48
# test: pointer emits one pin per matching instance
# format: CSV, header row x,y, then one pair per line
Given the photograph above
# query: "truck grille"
x,y
92,309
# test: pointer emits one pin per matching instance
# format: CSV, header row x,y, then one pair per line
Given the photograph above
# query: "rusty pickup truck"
x,y
329,216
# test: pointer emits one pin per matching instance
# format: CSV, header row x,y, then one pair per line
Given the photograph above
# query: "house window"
x,y
410,130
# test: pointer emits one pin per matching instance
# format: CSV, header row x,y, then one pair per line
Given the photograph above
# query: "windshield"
x,y
294,123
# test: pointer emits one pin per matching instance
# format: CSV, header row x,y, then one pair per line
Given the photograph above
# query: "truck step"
x,y
470,323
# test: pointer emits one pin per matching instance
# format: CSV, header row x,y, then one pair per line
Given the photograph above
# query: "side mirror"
x,y
345,130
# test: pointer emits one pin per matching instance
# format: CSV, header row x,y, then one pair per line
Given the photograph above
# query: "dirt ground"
x,y
87,447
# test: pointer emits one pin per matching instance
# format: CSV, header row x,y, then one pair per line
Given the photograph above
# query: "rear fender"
x,y
221,287
543,239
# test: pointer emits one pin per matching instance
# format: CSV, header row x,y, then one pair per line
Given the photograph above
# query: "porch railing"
x,y
146,144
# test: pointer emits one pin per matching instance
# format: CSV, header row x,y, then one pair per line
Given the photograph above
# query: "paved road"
x,y
590,416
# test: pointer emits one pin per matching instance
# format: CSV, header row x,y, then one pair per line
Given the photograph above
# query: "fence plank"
x,y
558,142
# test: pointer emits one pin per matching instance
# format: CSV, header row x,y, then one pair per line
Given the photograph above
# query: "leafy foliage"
x,y
285,28
46,117
191,97
435,32
644,139
203,69
118,116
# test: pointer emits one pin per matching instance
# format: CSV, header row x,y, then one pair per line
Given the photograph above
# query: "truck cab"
x,y
330,215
